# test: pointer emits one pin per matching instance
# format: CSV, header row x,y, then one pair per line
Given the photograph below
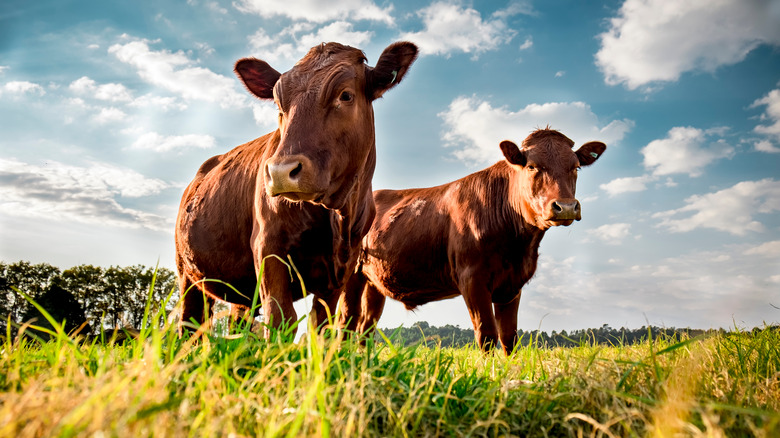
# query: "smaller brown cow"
x,y
477,237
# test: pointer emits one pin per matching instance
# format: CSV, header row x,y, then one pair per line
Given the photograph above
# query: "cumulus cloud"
x,y
626,185
23,87
771,119
474,128
768,249
155,142
651,41
110,114
292,43
453,28
730,210
611,234
91,194
315,11
684,150
176,73
109,92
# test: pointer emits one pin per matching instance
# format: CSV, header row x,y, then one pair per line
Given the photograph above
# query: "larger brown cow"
x,y
303,190
477,237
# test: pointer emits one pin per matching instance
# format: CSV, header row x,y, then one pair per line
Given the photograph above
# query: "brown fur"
x,y
477,237
238,212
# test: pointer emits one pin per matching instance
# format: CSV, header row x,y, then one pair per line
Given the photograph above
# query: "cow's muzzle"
x,y
565,210
292,178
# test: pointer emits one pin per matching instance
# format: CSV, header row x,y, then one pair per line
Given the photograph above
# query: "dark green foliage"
x,y
104,297
456,337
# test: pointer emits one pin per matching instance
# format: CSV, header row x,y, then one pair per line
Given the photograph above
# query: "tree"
x,y
31,279
62,306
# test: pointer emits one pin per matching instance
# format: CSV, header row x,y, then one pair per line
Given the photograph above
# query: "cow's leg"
x,y
242,314
323,310
195,305
372,304
349,305
506,318
481,312
276,296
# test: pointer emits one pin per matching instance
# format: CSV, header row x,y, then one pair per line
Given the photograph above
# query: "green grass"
x,y
238,385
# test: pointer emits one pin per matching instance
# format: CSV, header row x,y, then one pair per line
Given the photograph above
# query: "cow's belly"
x,y
412,287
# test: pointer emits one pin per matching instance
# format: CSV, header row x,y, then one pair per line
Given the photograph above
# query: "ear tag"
x,y
594,155
395,73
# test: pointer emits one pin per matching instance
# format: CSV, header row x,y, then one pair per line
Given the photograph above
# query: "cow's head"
x,y
326,121
544,177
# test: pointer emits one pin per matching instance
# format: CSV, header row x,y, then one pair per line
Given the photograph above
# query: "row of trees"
x,y
102,297
453,336
107,298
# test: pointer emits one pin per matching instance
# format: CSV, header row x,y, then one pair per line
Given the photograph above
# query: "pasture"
x,y
239,385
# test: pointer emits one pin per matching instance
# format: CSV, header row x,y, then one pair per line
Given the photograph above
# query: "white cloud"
x,y
176,73
289,45
451,27
265,114
316,11
731,210
611,234
109,92
475,128
527,44
768,249
340,31
155,142
158,102
23,87
56,191
626,185
110,114
772,118
766,146
3,68
657,40
684,151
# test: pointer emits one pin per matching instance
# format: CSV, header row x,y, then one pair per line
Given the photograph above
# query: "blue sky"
x,y
108,108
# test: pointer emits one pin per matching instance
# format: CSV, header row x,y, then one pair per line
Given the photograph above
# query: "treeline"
x,y
115,297
453,336
92,296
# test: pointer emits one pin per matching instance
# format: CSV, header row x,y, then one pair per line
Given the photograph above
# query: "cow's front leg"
x,y
478,301
276,295
506,318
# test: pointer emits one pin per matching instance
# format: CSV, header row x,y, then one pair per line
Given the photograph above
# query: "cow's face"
x,y
544,177
326,121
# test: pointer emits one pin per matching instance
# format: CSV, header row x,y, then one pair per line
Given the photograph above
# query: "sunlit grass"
x,y
215,385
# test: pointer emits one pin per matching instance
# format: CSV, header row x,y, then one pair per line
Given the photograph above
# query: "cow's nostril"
x,y
297,170
556,207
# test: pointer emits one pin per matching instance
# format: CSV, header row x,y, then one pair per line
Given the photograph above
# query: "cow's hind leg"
x,y
372,304
196,306
323,311
506,318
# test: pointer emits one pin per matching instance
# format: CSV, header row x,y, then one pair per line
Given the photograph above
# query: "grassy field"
x,y
238,385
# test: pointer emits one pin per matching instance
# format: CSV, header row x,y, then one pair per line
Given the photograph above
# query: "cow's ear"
x,y
512,153
258,76
590,152
390,68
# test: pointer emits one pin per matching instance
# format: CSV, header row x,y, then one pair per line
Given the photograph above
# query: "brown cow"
x,y
303,190
477,237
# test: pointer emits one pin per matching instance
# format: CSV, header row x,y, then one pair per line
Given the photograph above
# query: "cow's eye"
x,y
346,96
531,168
